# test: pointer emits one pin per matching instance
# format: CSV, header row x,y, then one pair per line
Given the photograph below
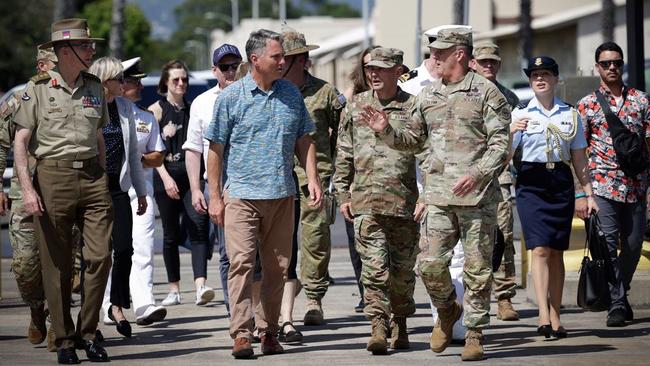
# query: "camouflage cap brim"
x,y
441,45
381,63
488,57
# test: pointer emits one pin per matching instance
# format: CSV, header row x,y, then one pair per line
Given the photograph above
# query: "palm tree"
x,y
459,11
64,9
607,19
525,32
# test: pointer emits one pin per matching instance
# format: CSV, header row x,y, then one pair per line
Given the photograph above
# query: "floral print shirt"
x,y
607,179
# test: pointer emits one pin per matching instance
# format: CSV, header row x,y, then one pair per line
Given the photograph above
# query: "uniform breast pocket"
x,y
57,122
93,115
566,126
534,127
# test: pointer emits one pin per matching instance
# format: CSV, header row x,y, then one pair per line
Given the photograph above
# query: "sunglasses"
x,y
605,64
226,67
177,80
86,46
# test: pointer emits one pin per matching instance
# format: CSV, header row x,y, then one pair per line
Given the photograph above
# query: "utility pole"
x,y
283,11
418,33
366,23
234,13
116,41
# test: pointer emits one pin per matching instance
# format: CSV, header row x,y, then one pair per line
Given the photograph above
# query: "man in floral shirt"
x,y
621,198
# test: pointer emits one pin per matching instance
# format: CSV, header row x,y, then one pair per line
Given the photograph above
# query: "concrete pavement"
x,y
194,335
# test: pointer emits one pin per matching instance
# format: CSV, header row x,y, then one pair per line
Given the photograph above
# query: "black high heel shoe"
x,y
560,332
545,330
123,326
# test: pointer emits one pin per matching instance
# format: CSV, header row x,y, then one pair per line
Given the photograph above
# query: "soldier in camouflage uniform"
x,y
464,118
324,104
376,187
26,263
487,63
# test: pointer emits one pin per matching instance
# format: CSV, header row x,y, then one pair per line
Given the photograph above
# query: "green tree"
x,y
137,30
23,26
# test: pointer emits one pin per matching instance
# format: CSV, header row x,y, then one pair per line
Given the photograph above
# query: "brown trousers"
x,y
247,223
72,196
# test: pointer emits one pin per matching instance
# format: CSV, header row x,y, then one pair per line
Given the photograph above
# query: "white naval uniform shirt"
x,y
149,140
201,113
415,85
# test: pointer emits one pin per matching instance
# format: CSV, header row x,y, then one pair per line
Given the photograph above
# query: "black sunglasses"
x,y
226,67
605,64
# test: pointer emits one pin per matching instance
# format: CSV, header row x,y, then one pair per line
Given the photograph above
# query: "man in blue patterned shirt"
x,y
259,123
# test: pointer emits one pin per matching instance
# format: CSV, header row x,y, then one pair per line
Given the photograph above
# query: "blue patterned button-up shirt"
x,y
259,131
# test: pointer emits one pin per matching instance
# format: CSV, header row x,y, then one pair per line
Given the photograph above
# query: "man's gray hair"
x,y
256,43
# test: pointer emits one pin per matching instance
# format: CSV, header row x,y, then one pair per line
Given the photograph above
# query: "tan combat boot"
x,y
506,311
399,338
37,330
51,338
314,314
442,331
473,350
377,343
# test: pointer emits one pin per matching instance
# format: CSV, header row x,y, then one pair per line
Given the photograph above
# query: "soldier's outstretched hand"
x,y
4,204
376,120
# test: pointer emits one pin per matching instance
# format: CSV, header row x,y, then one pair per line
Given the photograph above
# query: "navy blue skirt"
x,y
545,203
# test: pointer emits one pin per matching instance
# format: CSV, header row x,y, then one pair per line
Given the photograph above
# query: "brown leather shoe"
x,y
51,346
37,330
242,348
270,344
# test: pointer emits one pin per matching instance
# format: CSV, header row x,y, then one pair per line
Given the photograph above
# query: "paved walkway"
x,y
199,335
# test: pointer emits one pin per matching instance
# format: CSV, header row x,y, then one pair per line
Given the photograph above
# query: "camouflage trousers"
x,y
475,227
315,247
505,277
388,248
26,263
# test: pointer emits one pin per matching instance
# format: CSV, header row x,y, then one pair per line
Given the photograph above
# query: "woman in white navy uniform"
x,y
552,138
151,149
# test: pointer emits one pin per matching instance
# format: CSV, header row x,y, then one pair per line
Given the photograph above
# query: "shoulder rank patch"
x,y
569,104
40,77
341,98
409,75
25,97
522,105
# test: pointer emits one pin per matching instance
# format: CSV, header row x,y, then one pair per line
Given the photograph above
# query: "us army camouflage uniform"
x,y
380,183
324,105
505,276
25,263
466,126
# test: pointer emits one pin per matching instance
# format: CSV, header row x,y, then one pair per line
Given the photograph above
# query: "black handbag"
x,y
595,272
630,147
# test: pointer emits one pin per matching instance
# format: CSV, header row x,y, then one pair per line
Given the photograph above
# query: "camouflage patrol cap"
x,y
452,37
294,43
385,57
46,54
486,51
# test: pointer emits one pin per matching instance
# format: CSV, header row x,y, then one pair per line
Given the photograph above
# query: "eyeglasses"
x,y
606,64
86,46
178,80
226,67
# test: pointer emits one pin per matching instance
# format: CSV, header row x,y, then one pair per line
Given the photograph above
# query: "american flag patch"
x,y
66,34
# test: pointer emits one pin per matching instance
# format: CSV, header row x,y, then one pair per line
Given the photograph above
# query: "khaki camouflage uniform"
x,y
25,263
380,183
324,105
505,277
466,127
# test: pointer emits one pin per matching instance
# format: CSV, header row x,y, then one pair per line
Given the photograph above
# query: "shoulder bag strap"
x,y
615,125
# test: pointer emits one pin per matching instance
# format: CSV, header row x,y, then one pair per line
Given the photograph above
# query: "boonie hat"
x,y
223,50
452,37
294,43
73,29
46,54
487,51
542,63
385,57
131,68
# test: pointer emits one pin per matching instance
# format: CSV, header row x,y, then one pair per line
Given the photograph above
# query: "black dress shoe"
x,y
545,330
95,352
123,326
629,314
560,332
67,356
616,318
360,306
99,337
